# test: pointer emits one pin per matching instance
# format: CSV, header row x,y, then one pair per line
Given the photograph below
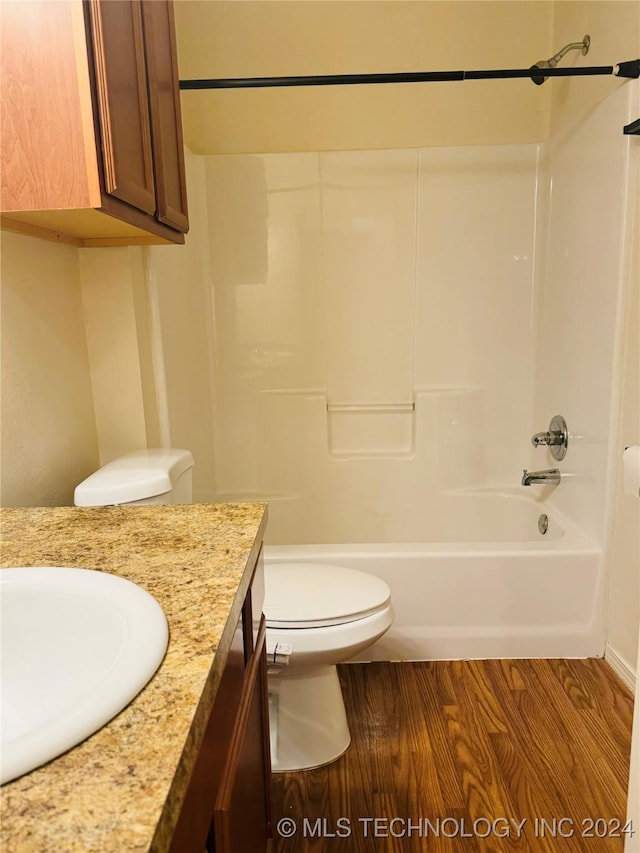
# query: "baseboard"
x,y
621,667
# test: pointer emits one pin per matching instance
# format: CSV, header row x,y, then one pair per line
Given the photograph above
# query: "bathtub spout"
x,y
551,475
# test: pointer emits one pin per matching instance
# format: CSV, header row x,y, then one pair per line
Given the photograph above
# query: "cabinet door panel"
x,y
193,823
166,120
122,101
241,818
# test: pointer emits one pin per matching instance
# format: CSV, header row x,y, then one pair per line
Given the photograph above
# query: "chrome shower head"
x,y
583,46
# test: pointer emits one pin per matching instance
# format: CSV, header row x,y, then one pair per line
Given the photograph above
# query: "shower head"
x,y
583,45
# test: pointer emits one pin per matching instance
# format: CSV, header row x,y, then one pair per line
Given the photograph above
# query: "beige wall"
x,y
614,27
273,38
49,439
179,285
104,351
114,296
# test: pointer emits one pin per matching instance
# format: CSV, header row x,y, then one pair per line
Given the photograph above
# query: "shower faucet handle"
x,y
557,437
549,438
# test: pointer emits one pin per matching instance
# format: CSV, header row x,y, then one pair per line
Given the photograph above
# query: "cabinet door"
x,y
166,121
241,819
194,821
123,109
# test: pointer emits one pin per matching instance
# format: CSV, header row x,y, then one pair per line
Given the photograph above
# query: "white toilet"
x,y
317,615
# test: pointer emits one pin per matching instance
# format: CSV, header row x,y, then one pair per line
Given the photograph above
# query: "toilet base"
x,y
308,721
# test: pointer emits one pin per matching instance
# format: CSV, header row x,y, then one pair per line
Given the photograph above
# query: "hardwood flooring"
x,y
469,757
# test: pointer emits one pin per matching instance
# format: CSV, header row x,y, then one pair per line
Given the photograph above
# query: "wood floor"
x,y
469,757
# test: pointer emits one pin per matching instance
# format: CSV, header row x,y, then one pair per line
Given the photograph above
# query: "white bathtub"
x,y
496,588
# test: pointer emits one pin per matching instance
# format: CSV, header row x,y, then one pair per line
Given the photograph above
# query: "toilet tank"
x,y
157,476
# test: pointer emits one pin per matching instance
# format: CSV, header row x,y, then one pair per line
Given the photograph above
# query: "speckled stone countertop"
x,y
122,789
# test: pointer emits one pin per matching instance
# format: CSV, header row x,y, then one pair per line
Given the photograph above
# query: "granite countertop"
x,y
122,788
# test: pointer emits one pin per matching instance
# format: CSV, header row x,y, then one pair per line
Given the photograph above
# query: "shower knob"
x,y
557,438
548,438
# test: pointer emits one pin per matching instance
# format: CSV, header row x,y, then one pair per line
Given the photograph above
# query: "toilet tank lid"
x,y
133,477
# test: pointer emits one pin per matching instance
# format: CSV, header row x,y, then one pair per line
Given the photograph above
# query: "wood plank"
x,y
482,785
464,741
435,691
485,679
531,798
592,763
601,695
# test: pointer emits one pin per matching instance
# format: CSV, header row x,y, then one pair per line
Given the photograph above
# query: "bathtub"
x,y
496,588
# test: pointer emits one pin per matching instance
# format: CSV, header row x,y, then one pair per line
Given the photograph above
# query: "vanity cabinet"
x,y
227,804
92,150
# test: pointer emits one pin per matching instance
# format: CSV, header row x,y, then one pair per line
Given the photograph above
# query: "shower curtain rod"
x,y
629,69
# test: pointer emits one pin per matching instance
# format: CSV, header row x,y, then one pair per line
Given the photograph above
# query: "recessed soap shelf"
x,y
372,408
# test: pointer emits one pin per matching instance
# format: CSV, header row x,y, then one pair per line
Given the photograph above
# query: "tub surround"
x,y
496,588
124,786
350,367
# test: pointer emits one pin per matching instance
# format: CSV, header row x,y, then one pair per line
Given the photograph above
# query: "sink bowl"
x,y
77,646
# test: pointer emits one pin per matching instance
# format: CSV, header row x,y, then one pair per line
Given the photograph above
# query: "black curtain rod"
x,y
629,69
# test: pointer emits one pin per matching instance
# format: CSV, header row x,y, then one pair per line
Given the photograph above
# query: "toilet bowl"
x,y
317,616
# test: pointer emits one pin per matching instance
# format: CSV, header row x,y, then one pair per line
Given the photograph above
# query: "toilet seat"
x,y
318,595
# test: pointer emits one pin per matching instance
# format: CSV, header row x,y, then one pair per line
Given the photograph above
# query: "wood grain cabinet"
x,y
227,805
92,150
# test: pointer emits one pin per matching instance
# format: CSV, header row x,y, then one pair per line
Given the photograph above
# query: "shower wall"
x,y
592,174
373,315
586,288
591,170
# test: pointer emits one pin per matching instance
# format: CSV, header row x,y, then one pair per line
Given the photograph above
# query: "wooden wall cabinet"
x,y
92,149
227,805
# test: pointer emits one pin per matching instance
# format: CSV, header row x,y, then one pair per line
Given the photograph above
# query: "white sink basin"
x,y
77,646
